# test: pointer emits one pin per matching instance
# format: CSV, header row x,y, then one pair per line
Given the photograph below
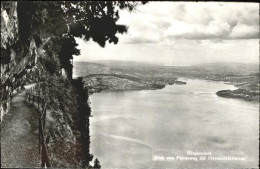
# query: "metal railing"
x,y
33,98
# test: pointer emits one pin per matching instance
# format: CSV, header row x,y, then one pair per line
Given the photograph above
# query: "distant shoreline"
x,y
234,94
132,76
153,87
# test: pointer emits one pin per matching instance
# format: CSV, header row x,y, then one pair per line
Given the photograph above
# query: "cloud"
x,y
137,40
242,31
183,33
158,22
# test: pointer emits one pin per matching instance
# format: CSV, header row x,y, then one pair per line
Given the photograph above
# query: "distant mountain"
x,y
224,67
124,64
113,66
233,65
87,68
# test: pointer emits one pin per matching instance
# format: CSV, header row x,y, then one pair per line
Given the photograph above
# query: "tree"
x,y
84,19
64,47
97,164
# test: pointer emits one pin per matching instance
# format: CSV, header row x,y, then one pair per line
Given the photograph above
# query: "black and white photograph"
x,y
129,84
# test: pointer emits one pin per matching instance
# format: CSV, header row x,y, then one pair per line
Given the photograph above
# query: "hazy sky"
x,y
183,33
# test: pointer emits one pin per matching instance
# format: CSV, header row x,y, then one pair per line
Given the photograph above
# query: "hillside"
x,y
122,76
125,75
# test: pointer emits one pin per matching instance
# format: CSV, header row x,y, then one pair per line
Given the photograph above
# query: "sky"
x,y
183,33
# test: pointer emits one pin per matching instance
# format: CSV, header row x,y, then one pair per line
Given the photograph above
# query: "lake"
x,y
130,129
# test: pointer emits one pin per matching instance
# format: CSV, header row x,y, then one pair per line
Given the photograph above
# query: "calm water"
x,y
128,127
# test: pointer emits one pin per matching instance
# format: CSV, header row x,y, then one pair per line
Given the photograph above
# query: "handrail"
x,y
45,161
32,89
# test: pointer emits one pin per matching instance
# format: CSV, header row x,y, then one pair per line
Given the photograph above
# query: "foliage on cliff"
x,y
84,112
64,137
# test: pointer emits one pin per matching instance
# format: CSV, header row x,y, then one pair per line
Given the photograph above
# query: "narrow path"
x,y
19,135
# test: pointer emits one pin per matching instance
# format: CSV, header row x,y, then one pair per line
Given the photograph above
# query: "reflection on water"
x,y
128,126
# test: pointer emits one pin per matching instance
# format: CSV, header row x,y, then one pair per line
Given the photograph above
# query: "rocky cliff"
x,y
9,25
9,37
18,58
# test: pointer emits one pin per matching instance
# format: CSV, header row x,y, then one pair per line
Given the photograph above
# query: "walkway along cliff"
x,y
28,56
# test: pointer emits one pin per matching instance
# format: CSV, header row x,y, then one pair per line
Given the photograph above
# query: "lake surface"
x,y
129,128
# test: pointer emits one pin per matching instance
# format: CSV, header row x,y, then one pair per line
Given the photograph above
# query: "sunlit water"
x,y
127,127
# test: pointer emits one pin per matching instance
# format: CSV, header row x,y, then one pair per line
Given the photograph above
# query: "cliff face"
x,y
18,60
9,24
9,36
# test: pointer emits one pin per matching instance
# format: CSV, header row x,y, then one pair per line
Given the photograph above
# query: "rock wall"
x,y
9,36
9,23
17,60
